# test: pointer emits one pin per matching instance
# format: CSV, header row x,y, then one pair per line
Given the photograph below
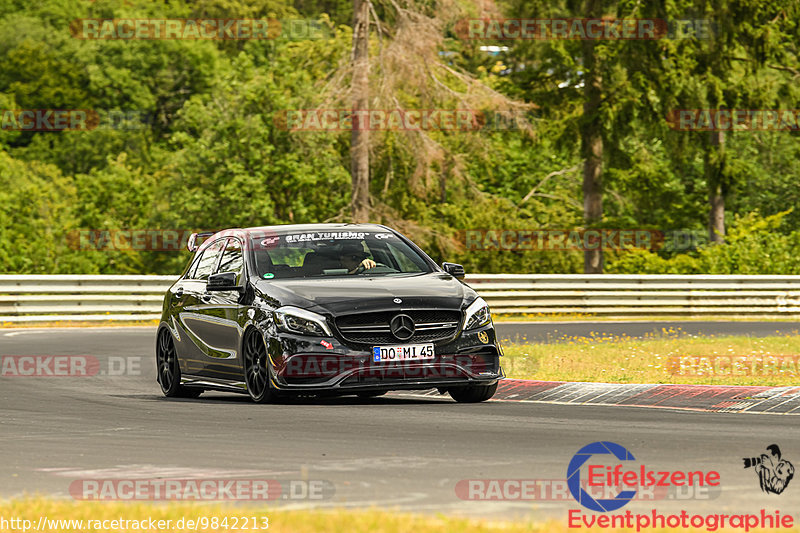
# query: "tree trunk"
x,y
592,144
359,139
715,162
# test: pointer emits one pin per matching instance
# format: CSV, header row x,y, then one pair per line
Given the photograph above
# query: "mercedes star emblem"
x,y
402,327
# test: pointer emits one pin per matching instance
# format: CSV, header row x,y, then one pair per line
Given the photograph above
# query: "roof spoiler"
x,y
190,244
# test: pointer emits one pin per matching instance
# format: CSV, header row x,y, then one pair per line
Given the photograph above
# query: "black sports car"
x,y
323,309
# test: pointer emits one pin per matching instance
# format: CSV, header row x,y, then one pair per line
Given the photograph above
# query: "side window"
x,y
232,260
205,266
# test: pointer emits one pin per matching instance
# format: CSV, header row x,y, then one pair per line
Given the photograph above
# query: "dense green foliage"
x,y
754,245
209,151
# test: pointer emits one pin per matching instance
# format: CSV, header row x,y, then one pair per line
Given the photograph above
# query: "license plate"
x,y
402,352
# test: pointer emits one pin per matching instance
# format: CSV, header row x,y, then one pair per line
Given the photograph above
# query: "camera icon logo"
x,y
774,473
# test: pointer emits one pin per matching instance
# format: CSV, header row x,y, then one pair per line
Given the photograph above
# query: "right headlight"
x,y
477,314
301,321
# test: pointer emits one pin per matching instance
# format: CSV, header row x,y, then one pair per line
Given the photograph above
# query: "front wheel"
x,y
169,369
473,393
256,368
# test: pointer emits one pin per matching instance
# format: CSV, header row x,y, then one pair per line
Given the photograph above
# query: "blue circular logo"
x,y
574,476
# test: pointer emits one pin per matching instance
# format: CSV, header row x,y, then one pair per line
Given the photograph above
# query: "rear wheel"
x,y
473,393
256,368
169,369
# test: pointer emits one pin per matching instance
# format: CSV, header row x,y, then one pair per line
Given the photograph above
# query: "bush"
x,y
753,245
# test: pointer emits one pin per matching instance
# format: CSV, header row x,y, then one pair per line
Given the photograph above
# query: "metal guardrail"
x,y
35,298
45,298
632,295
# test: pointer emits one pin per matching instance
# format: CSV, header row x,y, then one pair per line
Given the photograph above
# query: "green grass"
x,y
334,521
583,317
77,324
656,360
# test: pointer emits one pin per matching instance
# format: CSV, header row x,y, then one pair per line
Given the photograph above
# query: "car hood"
x,y
363,293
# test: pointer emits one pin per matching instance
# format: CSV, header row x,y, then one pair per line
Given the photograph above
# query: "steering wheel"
x,y
361,268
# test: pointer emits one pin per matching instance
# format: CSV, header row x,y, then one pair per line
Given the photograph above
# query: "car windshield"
x,y
318,254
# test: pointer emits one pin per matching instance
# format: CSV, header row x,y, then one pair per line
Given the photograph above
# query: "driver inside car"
x,y
355,259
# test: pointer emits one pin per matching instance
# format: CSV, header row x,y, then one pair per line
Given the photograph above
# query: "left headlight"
x,y
301,321
477,314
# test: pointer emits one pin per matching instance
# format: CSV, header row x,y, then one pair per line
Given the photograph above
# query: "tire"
x,y
169,369
473,393
368,395
256,368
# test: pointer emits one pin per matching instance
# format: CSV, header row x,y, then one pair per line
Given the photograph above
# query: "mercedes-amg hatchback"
x,y
323,309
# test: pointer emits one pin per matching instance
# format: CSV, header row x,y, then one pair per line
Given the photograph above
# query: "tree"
x,y
747,62
359,137
592,140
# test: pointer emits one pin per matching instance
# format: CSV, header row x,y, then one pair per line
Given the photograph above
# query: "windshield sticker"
x,y
326,236
269,275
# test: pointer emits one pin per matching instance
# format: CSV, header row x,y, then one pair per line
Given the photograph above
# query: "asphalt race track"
x,y
397,452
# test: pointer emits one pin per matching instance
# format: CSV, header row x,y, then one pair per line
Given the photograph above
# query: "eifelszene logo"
x,y
612,477
774,473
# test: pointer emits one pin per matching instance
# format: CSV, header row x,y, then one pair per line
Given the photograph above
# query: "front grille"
x,y
431,325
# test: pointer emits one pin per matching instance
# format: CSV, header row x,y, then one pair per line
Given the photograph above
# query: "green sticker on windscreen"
x,y
269,275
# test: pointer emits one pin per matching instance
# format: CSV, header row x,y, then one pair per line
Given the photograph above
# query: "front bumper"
x,y
316,364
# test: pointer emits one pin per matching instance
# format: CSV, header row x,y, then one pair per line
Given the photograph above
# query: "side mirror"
x,y
455,270
224,281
